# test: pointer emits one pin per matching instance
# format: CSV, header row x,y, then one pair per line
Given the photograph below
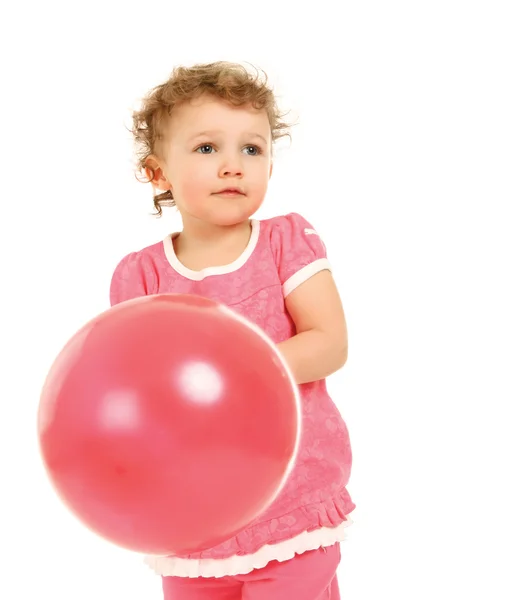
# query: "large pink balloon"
x,y
167,424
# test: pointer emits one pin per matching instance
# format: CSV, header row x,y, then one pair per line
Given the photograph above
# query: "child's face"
x,y
234,152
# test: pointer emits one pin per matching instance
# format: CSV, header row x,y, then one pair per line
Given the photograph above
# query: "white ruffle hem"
x,y
240,565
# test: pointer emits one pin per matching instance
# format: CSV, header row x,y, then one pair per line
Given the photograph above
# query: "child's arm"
x,y
319,347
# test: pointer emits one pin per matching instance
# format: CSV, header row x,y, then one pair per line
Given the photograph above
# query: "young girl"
x,y
205,139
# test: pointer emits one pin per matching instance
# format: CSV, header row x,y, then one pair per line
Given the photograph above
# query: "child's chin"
x,y
232,216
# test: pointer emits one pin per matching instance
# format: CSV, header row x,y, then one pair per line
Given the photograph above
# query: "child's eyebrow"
x,y
217,132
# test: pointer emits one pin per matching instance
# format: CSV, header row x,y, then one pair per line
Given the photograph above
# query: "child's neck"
x,y
199,248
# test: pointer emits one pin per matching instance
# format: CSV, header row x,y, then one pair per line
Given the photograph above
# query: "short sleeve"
x,y
131,279
298,250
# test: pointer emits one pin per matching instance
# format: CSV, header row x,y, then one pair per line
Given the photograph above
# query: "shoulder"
x,y
293,234
138,261
286,223
290,229
297,249
135,274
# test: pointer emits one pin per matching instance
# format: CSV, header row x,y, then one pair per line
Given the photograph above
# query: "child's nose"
x,y
232,167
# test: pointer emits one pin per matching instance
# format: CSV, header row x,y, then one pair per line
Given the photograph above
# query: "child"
x,y
205,138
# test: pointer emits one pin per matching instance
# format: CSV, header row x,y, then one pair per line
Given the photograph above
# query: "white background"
x,y
400,161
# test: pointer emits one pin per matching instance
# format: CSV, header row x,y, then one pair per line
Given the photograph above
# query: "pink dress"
x,y
313,507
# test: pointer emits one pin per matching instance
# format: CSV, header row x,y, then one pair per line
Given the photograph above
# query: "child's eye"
x,y
205,148
253,150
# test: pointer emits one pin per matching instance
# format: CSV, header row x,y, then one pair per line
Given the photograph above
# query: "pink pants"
x,y
308,576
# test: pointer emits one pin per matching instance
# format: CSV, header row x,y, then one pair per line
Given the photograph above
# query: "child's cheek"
x,y
196,186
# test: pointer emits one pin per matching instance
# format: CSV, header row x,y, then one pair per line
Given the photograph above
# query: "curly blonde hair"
x,y
228,81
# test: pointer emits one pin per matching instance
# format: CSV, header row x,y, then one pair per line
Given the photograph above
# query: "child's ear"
x,y
155,174
271,170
